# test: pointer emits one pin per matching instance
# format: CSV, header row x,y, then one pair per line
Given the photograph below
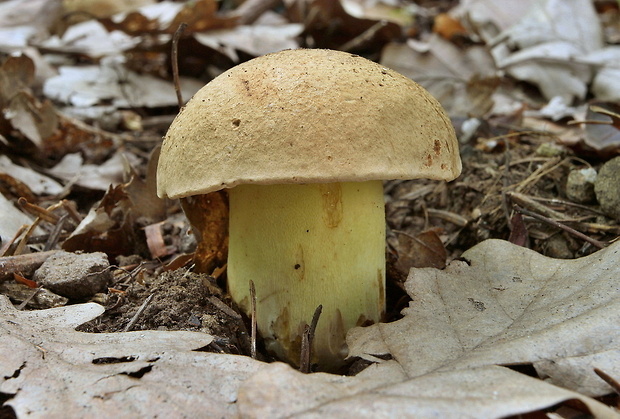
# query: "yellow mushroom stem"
x,y
306,245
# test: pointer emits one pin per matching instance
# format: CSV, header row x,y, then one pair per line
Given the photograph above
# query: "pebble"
x,y
75,275
607,188
580,185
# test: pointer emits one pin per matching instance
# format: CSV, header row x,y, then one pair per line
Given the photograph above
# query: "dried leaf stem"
x,y
136,316
253,320
306,341
175,62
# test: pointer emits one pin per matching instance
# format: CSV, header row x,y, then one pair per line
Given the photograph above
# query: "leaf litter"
x,y
500,331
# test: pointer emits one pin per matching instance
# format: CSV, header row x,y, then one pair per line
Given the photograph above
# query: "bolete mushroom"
x,y
302,140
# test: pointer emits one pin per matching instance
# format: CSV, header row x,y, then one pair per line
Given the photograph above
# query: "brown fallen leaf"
x,y
209,214
448,27
109,227
421,251
330,26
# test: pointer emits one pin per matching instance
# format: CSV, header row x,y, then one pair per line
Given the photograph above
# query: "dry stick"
x,y
37,211
30,297
507,157
71,210
175,62
608,379
306,341
364,37
526,202
543,170
449,216
8,248
24,264
253,320
136,316
561,226
55,234
24,240
532,204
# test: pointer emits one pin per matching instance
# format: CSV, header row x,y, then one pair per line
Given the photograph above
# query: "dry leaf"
x,y
50,370
508,305
103,8
35,182
11,220
208,214
421,251
109,227
448,27
94,176
112,82
463,80
604,135
254,40
384,392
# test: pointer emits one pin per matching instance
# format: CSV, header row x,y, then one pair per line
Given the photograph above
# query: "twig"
x,y
526,202
175,62
24,240
24,264
608,379
306,341
55,234
136,316
253,320
8,248
69,206
561,226
507,157
38,211
539,173
27,300
449,216
364,37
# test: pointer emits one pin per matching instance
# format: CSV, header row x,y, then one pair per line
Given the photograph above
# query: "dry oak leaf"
x,y
507,305
381,391
50,370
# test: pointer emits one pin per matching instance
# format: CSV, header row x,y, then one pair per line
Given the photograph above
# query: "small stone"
x,y
550,150
580,185
607,188
73,275
42,298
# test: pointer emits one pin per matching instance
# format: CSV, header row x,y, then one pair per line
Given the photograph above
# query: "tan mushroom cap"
x,y
306,116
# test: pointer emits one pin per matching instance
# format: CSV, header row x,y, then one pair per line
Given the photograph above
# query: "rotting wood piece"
x,y
22,264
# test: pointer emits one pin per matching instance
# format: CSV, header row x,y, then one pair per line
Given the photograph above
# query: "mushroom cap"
x,y
306,116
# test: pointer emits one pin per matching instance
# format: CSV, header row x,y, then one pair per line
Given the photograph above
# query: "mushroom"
x,y
302,140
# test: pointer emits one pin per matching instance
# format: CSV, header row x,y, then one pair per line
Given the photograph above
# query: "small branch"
x,y
523,201
175,62
364,37
55,234
561,226
608,379
136,316
28,299
23,264
37,211
253,320
306,341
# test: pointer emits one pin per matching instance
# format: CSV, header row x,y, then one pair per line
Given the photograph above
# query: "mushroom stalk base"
x,y
306,245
